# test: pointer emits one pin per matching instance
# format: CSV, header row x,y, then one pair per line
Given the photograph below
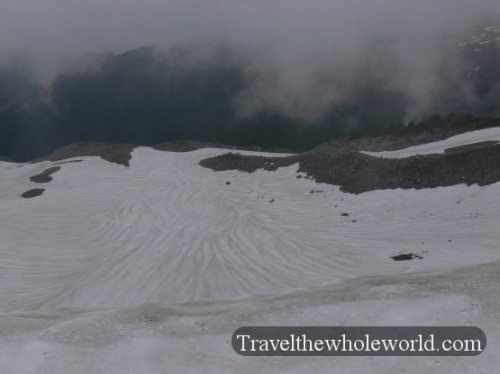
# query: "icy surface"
x,y
478,136
149,269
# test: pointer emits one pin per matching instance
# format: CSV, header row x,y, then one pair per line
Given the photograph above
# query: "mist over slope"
x,y
316,72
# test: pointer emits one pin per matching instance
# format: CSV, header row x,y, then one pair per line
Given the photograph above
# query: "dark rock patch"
x,y
316,191
406,257
191,145
45,176
117,153
470,147
33,193
355,172
67,162
249,164
344,214
184,146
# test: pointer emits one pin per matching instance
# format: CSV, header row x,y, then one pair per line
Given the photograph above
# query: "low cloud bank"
x,y
232,95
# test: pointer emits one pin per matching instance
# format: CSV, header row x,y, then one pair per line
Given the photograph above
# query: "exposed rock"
x,y
117,153
356,172
33,193
45,176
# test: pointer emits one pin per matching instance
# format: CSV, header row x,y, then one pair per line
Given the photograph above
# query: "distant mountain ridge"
x,y
146,96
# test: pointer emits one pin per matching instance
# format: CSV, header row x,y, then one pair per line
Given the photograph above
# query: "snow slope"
x,y
149,269
478,136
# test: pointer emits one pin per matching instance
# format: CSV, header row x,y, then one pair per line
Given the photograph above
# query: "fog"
x,y
301,59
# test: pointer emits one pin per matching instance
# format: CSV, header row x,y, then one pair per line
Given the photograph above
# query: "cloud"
x,y
329,62
293,29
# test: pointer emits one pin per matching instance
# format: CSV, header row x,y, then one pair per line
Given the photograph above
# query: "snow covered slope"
x,y
487,35
149,269
473,137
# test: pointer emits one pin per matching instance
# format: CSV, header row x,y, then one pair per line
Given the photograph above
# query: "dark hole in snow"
x,y
406,257
228,183
345,214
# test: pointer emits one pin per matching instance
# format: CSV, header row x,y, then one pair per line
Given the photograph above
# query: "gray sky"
x,y
300,37
62,28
